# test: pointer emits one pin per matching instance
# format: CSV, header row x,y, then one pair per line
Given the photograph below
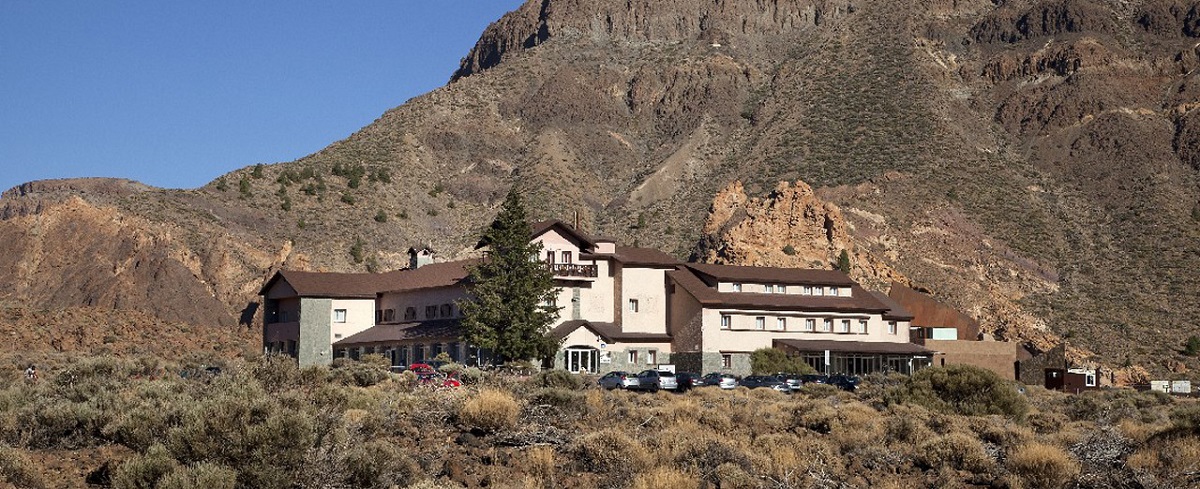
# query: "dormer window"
x,y
833,291
807,290
818,291
781,289
770,289
737,287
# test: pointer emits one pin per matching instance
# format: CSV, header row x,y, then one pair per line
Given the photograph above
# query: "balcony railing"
x,y
572,270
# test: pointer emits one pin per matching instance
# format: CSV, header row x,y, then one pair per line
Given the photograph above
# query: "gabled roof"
x,y
541,227
443,274
437,329
896,312
332,285
789,276
633,256
610,332
859,301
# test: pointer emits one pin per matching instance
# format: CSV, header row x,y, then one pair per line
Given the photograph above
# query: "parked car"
x,y
688,380
618,380
768,381
436,379
845,382
722,380
653,380
793,381
814,379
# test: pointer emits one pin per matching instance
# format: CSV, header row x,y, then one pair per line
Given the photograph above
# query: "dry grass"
x,y
1043,466
490,410
665,478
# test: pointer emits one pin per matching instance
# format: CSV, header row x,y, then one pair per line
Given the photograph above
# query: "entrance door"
x,y
581,359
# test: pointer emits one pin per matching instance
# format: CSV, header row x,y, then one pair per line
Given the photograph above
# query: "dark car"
x,y
722,380
687,380
768,381
845,382
618,380
814,379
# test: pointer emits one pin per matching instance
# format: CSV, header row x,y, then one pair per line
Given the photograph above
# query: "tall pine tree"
x,y
512,293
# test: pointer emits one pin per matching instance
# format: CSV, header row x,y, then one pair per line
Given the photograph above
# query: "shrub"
x,y
144,471
563,399
558,378
789,250
1042,465
379,463
609,450
200,476
665,478
1191,347
491,410
956,450
774,360
381,216
17,469
961,389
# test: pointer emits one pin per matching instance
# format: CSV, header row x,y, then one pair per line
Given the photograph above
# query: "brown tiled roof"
x,y
443,274
437,329
859,301
629,255
334,285
789,276
896,312
609,331
855,346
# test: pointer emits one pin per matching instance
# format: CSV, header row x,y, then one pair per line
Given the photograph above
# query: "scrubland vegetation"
x,y
264,423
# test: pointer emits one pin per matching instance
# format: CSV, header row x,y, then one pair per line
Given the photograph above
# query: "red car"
x,y
427,375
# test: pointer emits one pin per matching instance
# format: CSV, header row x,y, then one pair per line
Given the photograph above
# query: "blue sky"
x,y
174,94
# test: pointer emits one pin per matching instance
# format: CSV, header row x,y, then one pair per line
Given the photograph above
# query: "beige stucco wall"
x,y
552,241
585,337
743,335
419,299
360,315
648,287
997,356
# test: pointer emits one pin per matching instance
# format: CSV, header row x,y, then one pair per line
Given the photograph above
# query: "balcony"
x,y
573,270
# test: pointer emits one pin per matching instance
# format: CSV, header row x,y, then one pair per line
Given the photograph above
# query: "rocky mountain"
x,y
1033,162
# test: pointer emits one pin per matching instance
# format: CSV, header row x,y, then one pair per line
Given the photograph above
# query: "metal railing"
x,y
572,270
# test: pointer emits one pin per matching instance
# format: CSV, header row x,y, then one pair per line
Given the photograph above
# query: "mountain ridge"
x,y
1033,163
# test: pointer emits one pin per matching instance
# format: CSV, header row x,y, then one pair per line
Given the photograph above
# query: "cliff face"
x,y
1031,162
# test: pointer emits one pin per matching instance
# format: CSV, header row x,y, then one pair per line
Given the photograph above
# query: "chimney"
x,y
419,256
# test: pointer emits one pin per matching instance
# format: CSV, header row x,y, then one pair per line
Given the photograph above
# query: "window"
x,y
818,290
726,321
339,315
862,326
633,305
447,310
566,257
652,357
827,325
810,324
891,327
807,290
550,256
737,287
781,324
782,289
726,360
833,291
633,357
389,315
378,315
430,312
760,323
845,326
410,313
770,289
1089,379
